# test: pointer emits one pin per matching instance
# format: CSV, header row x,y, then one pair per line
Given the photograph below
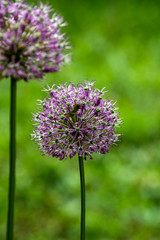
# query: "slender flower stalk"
x,y
12,160
82,181
75,119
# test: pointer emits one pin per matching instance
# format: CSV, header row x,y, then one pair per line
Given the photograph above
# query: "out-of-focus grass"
x,y
117,43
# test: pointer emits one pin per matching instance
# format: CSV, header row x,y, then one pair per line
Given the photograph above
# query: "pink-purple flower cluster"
x,y
75,119
31,42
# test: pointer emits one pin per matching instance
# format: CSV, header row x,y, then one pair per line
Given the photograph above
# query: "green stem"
x,y
10,220
82,180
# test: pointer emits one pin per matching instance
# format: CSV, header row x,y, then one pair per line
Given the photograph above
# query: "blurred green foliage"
x,y
118,44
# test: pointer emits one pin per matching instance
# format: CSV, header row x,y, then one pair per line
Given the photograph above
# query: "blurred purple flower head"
x,y
31,42
75,119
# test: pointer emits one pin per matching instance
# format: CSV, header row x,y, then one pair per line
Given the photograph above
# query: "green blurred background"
x,y
118,44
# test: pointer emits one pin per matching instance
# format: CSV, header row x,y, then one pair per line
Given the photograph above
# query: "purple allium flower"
x,y
75,119
31,42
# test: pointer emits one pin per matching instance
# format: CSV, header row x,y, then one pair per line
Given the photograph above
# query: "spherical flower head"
x,y
31,42
75,119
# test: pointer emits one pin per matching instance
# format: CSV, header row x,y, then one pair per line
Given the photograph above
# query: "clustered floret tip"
x,y
75,119
31,42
